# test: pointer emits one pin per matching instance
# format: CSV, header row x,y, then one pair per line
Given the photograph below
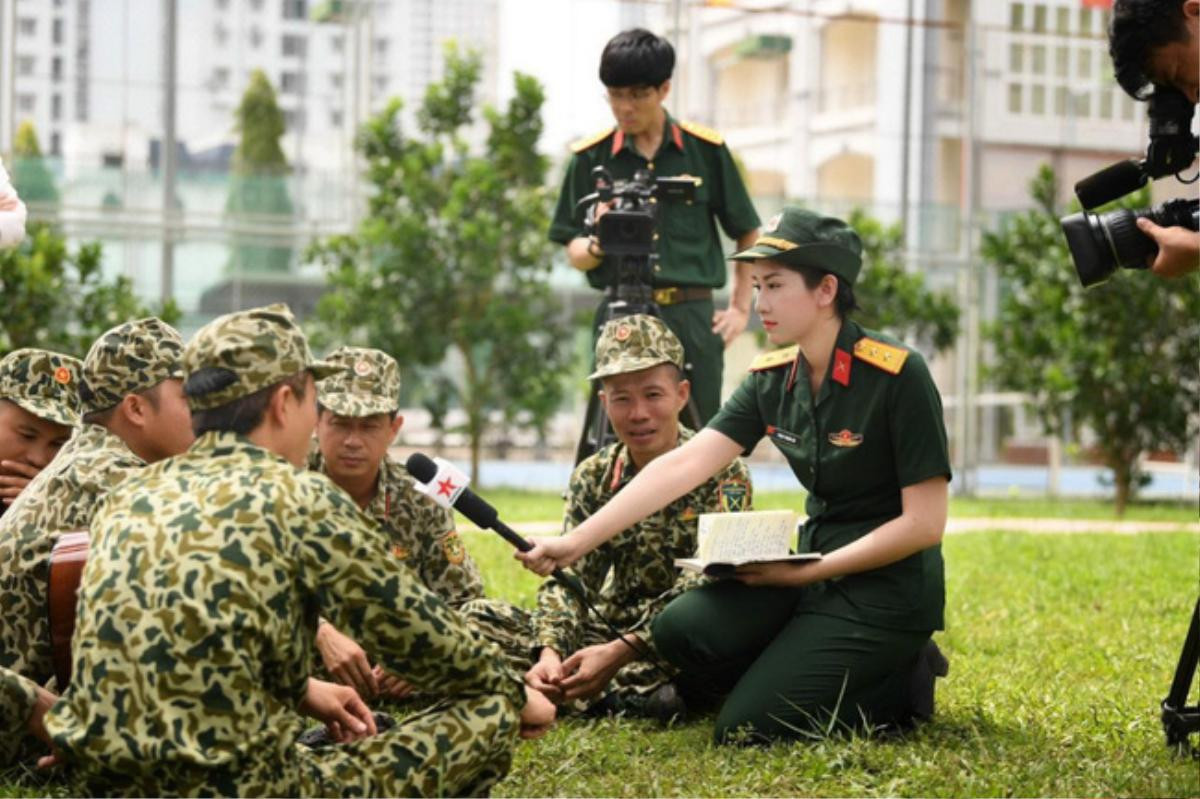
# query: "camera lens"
x,y
1100,243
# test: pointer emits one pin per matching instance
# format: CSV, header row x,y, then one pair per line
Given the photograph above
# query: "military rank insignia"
x,y
733,495
63,375
844,438
453,547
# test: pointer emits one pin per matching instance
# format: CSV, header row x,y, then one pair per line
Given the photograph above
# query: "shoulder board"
x,y
591,141
884,356
701,132
769,360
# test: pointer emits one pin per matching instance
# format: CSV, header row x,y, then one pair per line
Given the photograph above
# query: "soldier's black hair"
x,y
1138,28
636,57
103,417
243,414
844,301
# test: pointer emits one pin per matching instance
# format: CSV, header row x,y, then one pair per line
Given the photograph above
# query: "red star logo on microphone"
x,y
446,487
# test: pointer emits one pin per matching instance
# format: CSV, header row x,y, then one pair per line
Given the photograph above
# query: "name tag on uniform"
x,y
776,434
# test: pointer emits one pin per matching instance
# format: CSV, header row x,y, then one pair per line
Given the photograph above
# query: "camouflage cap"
x,y
132,357
368,383
42,382
798,237
633,343
240,353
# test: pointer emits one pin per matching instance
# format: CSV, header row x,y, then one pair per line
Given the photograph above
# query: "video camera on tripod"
x,y
627,231
1100,243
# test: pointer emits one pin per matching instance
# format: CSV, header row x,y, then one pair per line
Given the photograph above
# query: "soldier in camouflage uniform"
x,y
358,419
39,406
23,706
198,610
131,389
632,577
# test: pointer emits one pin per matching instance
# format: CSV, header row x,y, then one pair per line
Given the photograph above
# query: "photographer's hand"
x,y
1178,249
583,252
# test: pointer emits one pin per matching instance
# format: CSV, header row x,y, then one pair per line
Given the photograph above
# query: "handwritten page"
x,y
730,537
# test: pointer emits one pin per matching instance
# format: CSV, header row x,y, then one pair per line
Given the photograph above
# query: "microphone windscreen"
x,y
1110,183
421,467
477,509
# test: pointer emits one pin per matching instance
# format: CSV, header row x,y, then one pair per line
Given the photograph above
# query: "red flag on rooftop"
x,y
1096,3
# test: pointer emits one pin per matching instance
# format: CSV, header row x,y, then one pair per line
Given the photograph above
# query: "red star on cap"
x,y
446,487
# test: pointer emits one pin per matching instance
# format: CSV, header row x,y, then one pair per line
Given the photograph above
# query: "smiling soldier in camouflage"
x,y
134,412
358,419
632,577
199,605
39,407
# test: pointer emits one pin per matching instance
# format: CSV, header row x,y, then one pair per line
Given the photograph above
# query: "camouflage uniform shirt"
x,y
198,610
420,532
63,497
17,696
631,577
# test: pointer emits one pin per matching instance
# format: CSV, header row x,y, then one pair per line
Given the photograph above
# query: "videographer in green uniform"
x,y
636,69
859,420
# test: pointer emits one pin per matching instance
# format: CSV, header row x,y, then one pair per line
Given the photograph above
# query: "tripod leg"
x,y
1180,721
596,432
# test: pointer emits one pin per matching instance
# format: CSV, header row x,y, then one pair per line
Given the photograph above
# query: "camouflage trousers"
x,y
508,626
458,747
639,678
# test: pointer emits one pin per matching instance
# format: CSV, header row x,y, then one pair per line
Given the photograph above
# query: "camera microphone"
x,y
1111,183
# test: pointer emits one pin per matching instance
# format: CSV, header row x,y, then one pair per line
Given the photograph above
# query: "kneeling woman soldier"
x,y
860,422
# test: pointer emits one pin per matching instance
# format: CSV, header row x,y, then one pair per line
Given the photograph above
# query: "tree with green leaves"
x,y
894,300
30,175
258,187
1121,359
450,265
58,299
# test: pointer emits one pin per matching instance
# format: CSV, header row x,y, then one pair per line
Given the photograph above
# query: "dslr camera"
x,y
1100,243
628,228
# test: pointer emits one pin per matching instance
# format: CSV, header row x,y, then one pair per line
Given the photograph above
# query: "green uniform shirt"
x,y
689,248
421,533
868,434
197,612
632,577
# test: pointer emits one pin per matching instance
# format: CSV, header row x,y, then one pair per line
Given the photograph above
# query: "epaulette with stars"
x,y
588,142
882,356
703,133
770,360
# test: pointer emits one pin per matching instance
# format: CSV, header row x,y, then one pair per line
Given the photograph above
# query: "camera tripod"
x,y
1179,720
631,294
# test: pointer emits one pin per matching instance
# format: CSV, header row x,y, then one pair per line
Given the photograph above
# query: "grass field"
x,y
1061,648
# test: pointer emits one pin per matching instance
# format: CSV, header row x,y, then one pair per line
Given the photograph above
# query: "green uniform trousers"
x,y
703,351
784,672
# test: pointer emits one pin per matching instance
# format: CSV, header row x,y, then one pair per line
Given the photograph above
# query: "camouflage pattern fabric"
x,y
632,577
42,382
63,497
17,697
636,342
194,639
368,383
507,625
130,358
251,350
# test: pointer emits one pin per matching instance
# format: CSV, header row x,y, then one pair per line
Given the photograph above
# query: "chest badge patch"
x,y
733,495
845,438
400,552
453,547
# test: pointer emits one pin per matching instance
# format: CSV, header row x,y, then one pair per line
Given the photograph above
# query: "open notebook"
x,y
729,540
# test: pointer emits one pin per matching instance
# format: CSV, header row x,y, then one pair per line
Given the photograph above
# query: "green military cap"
x,y
633,343
240,353
368,383
42,382
132,357
798,237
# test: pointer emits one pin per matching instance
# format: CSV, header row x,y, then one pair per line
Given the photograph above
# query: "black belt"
x,y
673,295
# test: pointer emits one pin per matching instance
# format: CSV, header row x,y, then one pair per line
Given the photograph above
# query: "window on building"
x,y
1037,100
1081,104
1062,20
1085,21
255,36
1016,57
55,143
335,81
293,45
222,5
1084,63
293,119
1014,98
1060,101
26,103
1039,18
1126,107
1106,103
381,46
56,68
1037,59
380,84
291,83
25,64
26,26
56,30
56,107
256,5
1062,61
295,9
219,79
112,160
337,43
335,118
1016,16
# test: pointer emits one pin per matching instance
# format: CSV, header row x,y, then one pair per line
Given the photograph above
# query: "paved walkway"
x,y
970,524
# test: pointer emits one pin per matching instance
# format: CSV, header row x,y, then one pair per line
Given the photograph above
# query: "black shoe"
x,y
316,737
664,705
930,665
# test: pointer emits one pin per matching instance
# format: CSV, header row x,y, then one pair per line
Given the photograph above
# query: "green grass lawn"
x,y
1061,648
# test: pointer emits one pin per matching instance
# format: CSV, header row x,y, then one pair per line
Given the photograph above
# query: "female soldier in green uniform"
x,y
859,420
